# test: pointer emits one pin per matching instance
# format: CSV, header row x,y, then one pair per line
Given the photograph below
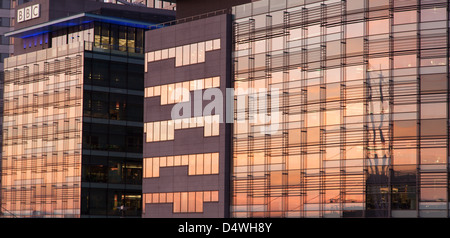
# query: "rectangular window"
x,y
434,127
201,52
177,202
5,4
207,163
157,55
433,14
215,163
163,94
405,156
199,160
379,27
355,45
186,55
433,156
192,165
194,53
179,56
155,167
164,54
156,131
208,45
433,110
170,130
163,130
405,17
172,52
149,132
215,129
170,96
433,82
405,129
355,5
355,30
184,202
405,61
199,202
4,21
216,44
208,126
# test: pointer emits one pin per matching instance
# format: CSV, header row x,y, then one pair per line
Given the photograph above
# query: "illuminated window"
x,y
183,202
198,164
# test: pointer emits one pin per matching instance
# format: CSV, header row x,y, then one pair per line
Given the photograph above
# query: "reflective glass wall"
x,y
73,128
112,133
41,163
357,125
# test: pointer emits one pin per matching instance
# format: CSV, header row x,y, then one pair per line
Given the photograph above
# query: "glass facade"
x,y
112,131
73,126
41,163
359,123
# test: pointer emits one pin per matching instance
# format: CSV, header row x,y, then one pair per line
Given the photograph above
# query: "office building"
x,y
359,127
186,166
73,96
352,120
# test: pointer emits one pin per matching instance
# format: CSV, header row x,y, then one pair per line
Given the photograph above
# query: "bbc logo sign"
x,y
28,13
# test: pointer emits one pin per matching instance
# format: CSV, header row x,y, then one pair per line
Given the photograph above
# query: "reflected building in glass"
x,y
72,132
360,122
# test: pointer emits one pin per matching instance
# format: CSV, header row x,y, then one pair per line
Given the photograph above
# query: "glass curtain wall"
x,y
112,124
41,163
359,124
121,38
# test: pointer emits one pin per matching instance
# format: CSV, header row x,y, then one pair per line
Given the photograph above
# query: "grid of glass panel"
x,y
41,164
363,102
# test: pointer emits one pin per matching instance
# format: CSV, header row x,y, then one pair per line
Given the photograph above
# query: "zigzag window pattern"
x,y
184,55
183,202
165,130
170,95
198,164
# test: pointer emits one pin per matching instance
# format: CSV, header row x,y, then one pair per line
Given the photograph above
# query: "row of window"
x,y
183,202
78,36
186,54
122,38
148,3
198,164
428,156
177,92
48,151
165,130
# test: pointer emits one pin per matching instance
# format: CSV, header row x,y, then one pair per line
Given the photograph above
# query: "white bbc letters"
x,y
28,13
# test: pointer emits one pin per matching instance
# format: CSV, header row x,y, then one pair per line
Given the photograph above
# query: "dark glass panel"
x,y
114,41
134,108
133,172
117,104
97,200
135,77
115,173
118,75
100,73
404,187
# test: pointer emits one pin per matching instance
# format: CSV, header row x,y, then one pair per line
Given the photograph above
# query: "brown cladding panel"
x,y
188,141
